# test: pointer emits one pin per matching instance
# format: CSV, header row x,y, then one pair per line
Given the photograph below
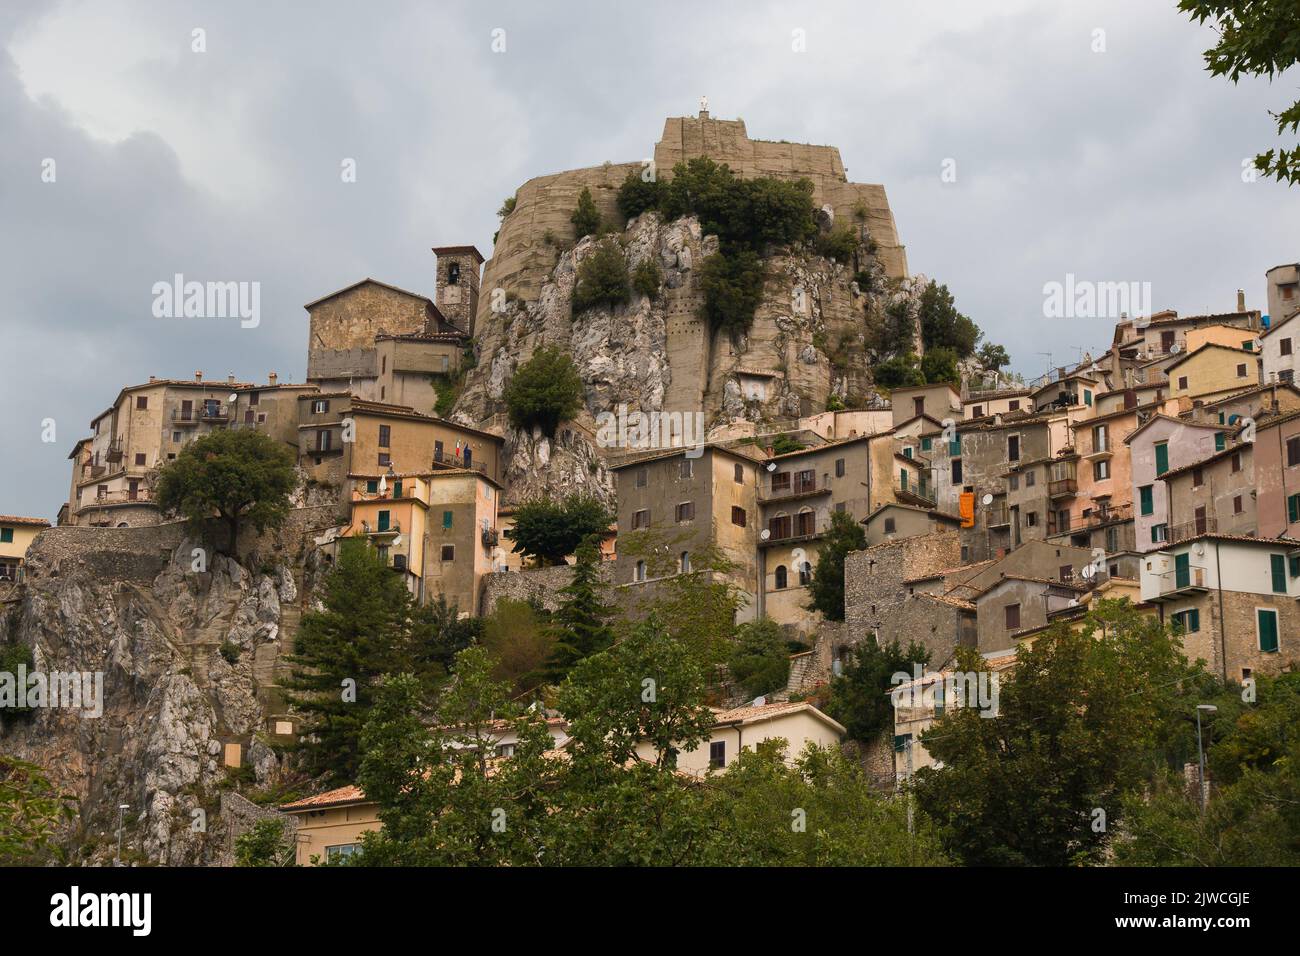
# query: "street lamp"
x,y
121,809
1200,750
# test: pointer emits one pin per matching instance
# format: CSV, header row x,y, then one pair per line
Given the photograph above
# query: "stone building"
x,y
684,505
458,284
1283,293
1233,597
894,520
1015,602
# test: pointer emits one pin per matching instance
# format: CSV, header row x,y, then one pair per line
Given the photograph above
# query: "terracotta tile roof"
x,y
947,571
1069,585
17,519
948,599
749,715
330,798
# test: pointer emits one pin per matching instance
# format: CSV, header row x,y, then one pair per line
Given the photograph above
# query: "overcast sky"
x,y
225,164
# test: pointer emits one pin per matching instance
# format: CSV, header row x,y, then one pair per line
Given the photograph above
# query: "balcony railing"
x,y
114,452
797,486
456,461
1191,529
996,517
1062,488
125,496
921,494
1102,516
204,413
490,537
393,527
796,530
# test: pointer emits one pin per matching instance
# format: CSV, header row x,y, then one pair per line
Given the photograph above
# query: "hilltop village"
x,y
1163,468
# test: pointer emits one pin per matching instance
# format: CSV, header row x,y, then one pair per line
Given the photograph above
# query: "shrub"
x,y
760,660
647,277
602,278
636,195
551,530
732,281
940,365
899,372
586,218
544,391
840,244
784,444
230,652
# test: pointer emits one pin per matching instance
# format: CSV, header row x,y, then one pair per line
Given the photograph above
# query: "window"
x,y
1293,451
718,754
1200,519
839,467
1237,506
385,436
385,518
1087,396
1220,441
1031,519
979,411
642,476
324,440
385,459
686,511
1029,479
1267,621
1293,509
1099,436
1013,616
320,407
1285,346
142,402
1013,405
1147,500
685,469
956,471
781,481
889,526
1277,564
1236,462
1182,382
927,444
1013,482
684,562
1162,458
908,451
1013,448
341,851
918,405
1159,533
176,437
449,552
1100,470
1187,622
139,459
372,486
1294,567
254,398
782,577
6,535
738,516
640,519
505,750
1241,370
639,574
397,489
1197,478
954,447
739,474
447,518
805,574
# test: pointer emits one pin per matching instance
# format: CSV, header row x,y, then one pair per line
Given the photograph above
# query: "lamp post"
x,y
121,809
1200,749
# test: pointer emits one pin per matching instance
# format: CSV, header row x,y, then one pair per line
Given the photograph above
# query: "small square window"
x,y
449,552
142,402
718,754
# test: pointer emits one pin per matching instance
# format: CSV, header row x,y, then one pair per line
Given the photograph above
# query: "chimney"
x,y
230,379
152,379
271,378
198,376
1241,300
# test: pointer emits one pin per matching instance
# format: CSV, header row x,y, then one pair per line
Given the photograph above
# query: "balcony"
x,y
997,516
1111,515
490,537
919,495
1181,583
114,452
784,531
443,460
381,530
1063,488
797,487
215,413
113,498
1208,524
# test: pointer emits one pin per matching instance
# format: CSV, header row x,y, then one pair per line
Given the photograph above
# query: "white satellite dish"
x,y
987,499
771,466
397,541
1088,572
1175,349
764,534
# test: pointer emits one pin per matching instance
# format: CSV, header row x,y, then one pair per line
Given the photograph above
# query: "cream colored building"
x,y
741,728
16,536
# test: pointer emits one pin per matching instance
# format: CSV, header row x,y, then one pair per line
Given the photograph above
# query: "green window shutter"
x,y
1277,563
1267,630
383,521
1148,500
954,447
446,519
1295,566
925,444
1194,620
397,489
902,479
372,486
1182,570
1220,418
1220,442
1087,397
1162,458
900,742
6,535
1293,509
907,452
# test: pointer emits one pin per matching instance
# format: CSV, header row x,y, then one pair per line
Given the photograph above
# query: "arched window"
x,y
805,574
640,571
780,577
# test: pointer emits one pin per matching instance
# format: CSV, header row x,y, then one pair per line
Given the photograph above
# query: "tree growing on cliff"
x,y
544,391
1256,39
760,659
239,475
940,365
550,529
586,217
32,811
827,587
370,627
602,278
638,194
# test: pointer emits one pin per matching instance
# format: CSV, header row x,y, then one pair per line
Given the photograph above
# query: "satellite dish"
x,y
759,701
397,541
233,398
1175,349
764,534
987,499
1088,572
771,466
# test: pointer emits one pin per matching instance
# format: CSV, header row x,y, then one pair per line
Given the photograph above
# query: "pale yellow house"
x,y
741,728
16,536
330,824
1212,371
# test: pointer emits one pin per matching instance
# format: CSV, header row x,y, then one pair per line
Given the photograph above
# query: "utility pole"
x,y
121,809
1200,751
911,841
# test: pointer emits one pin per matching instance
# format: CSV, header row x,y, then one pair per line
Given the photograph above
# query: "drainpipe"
x,y
1223,622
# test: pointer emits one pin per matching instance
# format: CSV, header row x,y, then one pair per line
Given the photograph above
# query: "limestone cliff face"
x,y
188,663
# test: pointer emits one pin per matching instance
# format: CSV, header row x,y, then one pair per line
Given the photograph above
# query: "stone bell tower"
x,y
456,294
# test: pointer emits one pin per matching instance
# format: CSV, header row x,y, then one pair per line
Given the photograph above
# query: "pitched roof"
x,y
18,519
1169,418
762,712
1209,345
330,798
934,512
370,281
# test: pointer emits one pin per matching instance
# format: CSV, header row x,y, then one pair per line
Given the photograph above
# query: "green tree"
x,y
550,530
586,217
602,278
13,655
647,277
1079,721
900,371
637,194
580,625
544,391
827,587
942,326
239,475
840,244
732,282
1256,39
940,365
993,356
369,627
859,696
521,642
32,813
264,844
760,659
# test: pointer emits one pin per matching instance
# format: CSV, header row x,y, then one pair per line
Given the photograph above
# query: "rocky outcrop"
x,y
186,642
